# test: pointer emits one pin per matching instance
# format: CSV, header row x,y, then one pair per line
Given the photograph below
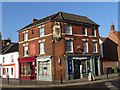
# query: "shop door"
x,y
76,69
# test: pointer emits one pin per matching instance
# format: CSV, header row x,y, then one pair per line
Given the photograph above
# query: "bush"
x,y
116,69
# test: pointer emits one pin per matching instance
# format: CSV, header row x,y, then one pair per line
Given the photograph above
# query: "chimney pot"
x,y
112,27
33,20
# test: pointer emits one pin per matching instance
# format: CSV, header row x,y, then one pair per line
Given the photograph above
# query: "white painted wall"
x,y
8,61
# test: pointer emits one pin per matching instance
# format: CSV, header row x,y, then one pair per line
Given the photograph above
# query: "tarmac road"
x,y
107,85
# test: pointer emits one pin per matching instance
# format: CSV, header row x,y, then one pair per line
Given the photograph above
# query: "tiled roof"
x,y
10,48
62,16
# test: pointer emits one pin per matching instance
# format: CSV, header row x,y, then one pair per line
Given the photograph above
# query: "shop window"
x,y
26,50
68,29
11,71
94,47
25,36
85,47
69,46
42,31
25,69
42,48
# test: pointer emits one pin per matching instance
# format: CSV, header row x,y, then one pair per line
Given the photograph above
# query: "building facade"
x,y
9,61
61,45
110,50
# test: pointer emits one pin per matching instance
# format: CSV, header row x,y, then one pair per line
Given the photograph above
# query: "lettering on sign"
x,y
79,58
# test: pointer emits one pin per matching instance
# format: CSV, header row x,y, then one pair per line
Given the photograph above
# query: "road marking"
x,y
109,85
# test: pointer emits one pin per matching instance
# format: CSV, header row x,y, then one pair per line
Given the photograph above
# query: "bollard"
x,y
8,79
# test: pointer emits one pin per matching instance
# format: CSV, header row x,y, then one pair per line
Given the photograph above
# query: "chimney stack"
x,y
33,20
112,27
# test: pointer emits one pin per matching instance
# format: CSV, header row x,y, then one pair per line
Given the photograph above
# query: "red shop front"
x,y
27,67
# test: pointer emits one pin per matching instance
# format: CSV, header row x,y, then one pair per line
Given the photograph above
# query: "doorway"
x,y
96,67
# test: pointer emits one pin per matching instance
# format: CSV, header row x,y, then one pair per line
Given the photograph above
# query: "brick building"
x,y
61,44
110,49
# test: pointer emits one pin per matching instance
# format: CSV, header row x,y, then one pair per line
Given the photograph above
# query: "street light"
x,y
60,63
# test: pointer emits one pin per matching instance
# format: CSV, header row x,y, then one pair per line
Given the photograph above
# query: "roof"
x,y
13,47
103,38
62,16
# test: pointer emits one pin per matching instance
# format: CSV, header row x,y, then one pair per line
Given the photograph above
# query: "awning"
x,y
27,59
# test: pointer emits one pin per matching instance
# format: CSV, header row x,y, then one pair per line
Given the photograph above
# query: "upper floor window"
x,y
12,58
26,50
94,47
68,29
69,46
85,46
42,31
84,31
42,48
25,36
93,31
3,59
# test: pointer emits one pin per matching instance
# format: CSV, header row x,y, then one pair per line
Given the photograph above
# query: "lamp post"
x,y
60,63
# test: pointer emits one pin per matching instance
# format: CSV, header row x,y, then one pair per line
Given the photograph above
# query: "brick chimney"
x,y
112,27
33,20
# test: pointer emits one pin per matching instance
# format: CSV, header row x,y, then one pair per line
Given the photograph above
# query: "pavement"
x,y
49,84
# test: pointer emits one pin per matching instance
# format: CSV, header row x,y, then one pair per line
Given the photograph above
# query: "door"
x,y
96,67
76,69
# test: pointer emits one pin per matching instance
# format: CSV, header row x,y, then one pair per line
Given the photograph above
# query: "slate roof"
x,y
62,16
10,48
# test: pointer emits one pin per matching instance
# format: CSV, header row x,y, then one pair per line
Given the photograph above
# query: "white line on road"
x,y
109,85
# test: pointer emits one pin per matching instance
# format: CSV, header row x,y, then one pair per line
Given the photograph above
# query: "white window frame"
x,y
86,47
71,45
70,32
42,49
85,31
25,53
94,31
95,47
26,36
42,34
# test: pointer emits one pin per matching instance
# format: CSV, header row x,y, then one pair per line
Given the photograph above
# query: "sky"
x,y
16,15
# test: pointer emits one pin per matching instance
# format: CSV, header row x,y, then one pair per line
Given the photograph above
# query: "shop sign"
x,y
79,58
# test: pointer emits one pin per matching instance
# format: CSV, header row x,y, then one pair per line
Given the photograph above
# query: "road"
x,y
112,84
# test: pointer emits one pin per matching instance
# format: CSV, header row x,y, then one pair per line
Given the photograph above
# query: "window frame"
x,y
40,31
25,52
42,49
71,45
70,29
93,30
87,50
26,36
85,29
96,49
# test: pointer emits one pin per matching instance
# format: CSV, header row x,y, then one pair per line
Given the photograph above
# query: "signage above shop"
x,y
79,58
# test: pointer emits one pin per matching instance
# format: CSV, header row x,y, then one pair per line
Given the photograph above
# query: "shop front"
x,y
27,69
80,66
44,71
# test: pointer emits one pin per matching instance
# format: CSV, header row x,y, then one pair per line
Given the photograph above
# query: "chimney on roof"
x,y
112,27
0,36
33,20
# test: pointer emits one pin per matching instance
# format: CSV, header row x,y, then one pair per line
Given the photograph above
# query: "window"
x,y
3,59
25,36
32,32
85,47
68,29
42,32
69,46
4,71
7,70
94,47
12,58
26,50
11,71
42,49
84,31
93,31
